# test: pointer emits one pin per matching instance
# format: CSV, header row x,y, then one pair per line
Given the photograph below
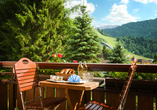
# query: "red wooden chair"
x,y
27,79
93,105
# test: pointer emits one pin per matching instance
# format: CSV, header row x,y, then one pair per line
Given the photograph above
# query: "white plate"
x,y
81,82
56,81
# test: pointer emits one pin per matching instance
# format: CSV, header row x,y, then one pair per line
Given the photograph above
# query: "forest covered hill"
x,y
145,29
133,49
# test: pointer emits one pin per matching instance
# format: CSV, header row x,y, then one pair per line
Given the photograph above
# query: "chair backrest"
x,y
26,75
126,85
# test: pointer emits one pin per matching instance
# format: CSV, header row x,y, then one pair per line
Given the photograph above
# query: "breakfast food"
x,y
67,71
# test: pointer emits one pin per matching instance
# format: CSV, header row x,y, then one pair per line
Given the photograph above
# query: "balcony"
x,y
137,100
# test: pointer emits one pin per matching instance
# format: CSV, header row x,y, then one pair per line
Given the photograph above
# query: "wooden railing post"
x,y
3,96
12,92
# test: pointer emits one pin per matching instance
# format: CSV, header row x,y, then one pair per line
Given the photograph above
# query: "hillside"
x,y
112,41
145,29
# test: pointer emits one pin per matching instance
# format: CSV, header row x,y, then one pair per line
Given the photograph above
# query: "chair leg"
x,y
53,108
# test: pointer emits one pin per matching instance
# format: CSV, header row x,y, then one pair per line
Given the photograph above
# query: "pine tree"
x,y
37,30
84,44
155,58
106,52
118,54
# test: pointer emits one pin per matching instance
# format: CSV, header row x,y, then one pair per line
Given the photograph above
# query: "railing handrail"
x,y
146,68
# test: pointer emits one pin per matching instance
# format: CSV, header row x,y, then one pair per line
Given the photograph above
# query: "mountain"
x,y
107,27
112,41
147,29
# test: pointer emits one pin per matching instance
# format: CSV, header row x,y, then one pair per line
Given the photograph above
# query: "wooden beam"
x,y
146,68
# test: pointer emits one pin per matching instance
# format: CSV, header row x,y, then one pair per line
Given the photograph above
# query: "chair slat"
x,y
28,80
28,84
26,70
27,77
28,88
25,74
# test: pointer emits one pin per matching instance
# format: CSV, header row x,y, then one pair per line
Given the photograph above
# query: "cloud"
x,y
142,1
90,6
97,24
119,15
135,10
146,1
155,1
96,5
124,1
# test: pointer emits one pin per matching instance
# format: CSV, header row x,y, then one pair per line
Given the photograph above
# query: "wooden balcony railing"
x,y
137,100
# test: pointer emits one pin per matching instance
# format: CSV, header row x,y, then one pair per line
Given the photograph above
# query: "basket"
x,y
65,76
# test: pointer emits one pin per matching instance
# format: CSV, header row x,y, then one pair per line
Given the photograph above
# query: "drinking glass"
x,y
90,76
85,77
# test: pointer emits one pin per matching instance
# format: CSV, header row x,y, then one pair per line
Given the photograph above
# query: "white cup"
x,y
52,77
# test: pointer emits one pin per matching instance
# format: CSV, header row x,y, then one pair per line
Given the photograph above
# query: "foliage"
x,y
118,54
5,76
139,45
34,29
106,52
145,29
103,32
98,74
48,71
84,45
155,58
139,76
56,58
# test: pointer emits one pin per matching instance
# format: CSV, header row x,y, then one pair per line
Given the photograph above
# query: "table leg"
x,y
81,98
68,99
74,98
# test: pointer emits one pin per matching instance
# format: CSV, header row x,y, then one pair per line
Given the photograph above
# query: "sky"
x,y
117,12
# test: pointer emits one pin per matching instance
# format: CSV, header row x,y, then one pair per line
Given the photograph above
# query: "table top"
x,y
83,86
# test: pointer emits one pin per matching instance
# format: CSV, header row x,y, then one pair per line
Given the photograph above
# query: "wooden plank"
x,y
6,73
145,103
3,96
98,96
76,97
87,96
30,95
156,103
61,93
112,99
19,101
50,92
0,65
130,103
85,86
37,93
12,93
146,68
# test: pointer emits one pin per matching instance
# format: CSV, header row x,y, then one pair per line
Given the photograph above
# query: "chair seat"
x,y
93,105
47,102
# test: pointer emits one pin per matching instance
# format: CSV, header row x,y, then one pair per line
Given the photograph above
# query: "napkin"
x,y
74,78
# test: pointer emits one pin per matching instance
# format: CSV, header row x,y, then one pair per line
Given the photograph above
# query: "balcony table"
x,y
74,101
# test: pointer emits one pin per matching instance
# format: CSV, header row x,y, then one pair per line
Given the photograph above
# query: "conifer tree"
x,y
118,54
155,58
84,44
106,52
36,31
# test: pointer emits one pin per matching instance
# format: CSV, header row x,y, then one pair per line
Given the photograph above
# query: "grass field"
x,y
112,41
